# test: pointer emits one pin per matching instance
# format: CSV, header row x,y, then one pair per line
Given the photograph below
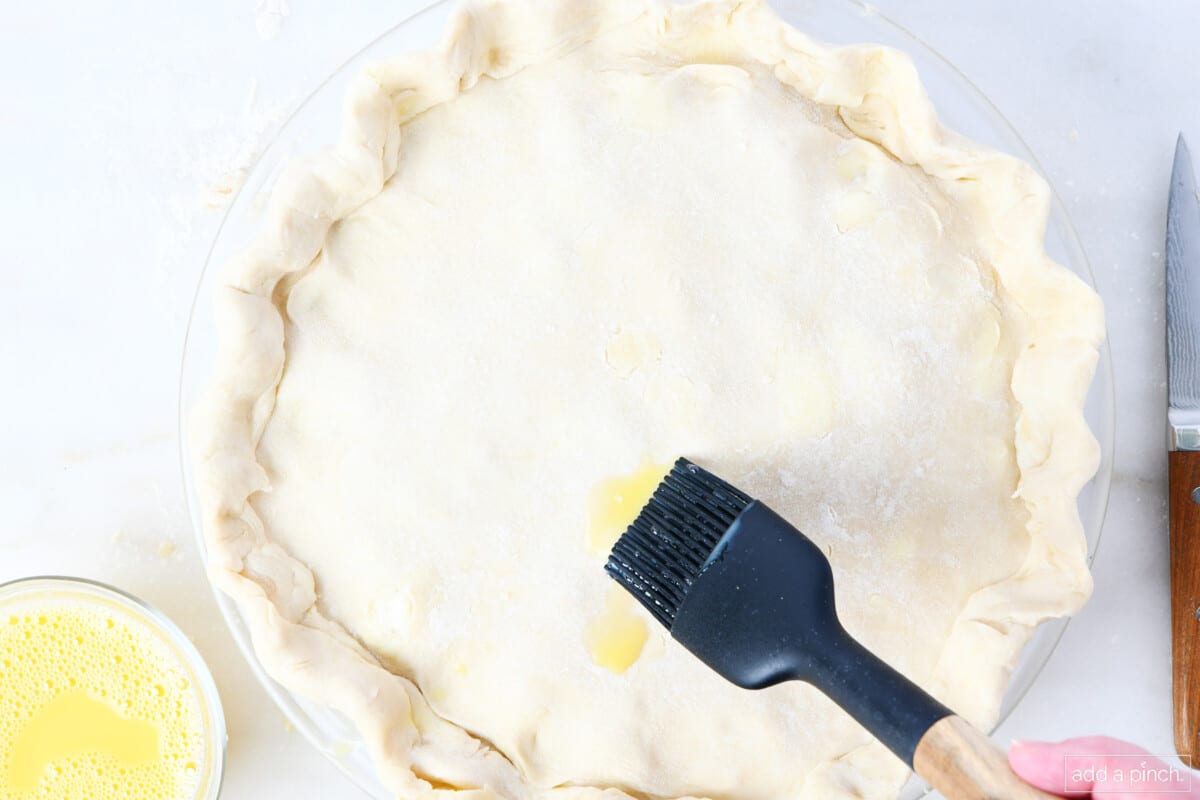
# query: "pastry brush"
x,y
752,598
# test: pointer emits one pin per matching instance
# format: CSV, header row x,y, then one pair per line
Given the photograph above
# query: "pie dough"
x,y
580,237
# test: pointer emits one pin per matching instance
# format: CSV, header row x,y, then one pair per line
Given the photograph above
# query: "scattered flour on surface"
x,y
269,16
222,171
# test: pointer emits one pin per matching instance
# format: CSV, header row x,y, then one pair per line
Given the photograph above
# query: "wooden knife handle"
x,y
1184,482
963,764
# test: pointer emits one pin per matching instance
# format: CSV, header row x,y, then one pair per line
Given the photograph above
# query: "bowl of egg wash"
x,y
102,697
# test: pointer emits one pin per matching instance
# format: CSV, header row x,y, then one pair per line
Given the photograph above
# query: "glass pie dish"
x,y
315,125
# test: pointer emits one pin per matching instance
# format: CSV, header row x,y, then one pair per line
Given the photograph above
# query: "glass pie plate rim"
x,y
961,106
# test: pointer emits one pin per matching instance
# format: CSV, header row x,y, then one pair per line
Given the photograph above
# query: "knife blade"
x,y
1183,415
1183,300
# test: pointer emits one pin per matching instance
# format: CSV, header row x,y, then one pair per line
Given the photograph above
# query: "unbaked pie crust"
x,y
580,237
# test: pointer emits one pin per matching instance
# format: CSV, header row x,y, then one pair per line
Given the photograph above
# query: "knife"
x,y
1183,416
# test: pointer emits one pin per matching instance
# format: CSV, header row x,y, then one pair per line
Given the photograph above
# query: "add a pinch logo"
x,y
1139,774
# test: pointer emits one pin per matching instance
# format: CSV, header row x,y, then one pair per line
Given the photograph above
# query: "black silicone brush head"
x,y
667,546
731,579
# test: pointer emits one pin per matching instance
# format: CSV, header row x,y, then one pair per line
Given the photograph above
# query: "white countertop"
x,y
114,129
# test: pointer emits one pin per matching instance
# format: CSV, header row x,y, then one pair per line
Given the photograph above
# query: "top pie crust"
x,y
581,234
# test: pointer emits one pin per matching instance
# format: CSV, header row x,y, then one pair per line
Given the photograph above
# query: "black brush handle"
x,y
762,611
895,710
956,758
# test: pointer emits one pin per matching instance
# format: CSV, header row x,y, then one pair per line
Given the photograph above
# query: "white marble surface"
x,y
117,122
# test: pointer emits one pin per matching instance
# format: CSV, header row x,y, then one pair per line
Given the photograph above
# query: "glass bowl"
x,y
315,124
98,593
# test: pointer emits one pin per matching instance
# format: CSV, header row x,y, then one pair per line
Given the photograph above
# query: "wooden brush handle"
x,y
963,764
1184,480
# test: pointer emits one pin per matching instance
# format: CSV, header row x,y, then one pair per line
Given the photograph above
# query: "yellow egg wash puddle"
x,y
615,504
73,725
93,704
616,638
